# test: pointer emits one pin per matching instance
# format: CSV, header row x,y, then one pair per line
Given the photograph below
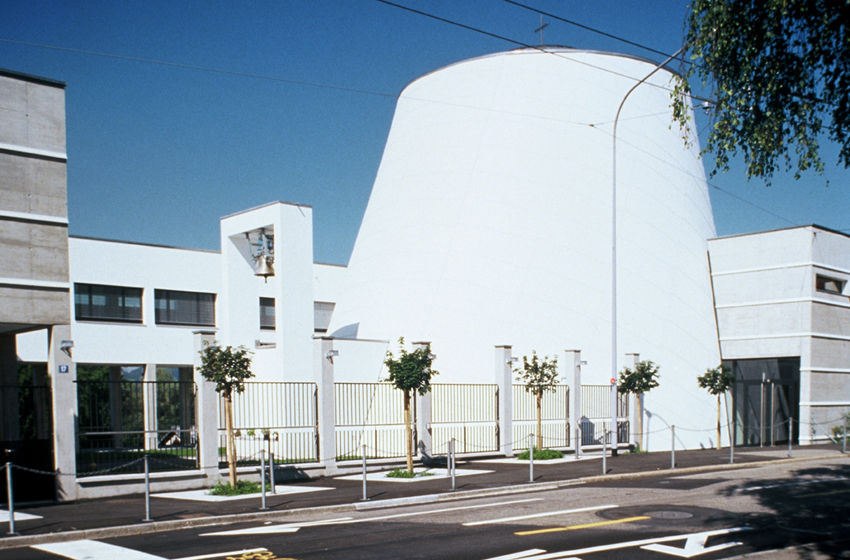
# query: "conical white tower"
x,y
490,223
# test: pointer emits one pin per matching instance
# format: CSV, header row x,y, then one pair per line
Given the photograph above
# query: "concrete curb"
x,y
161,526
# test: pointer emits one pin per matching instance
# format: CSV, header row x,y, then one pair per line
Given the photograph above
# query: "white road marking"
x,y
443,510
534,554
19,516
95,550
220,554
205,496
534,515
275,529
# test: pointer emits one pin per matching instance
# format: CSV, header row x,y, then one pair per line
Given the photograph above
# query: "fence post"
x,y
324,373
11,498
263,478
364,473
531,457
604,448
504,380
147,490
673,446
844,445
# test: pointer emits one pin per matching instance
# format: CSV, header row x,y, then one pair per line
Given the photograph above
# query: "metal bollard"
x,y
365,497
11,497
530,458
844,445
147,490
263,478
578,443
790,433
673,446
604,449
452,462
732,451
271,473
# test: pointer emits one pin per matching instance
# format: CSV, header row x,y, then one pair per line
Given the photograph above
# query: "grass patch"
x,y
637,450
242,487
541,455
404,473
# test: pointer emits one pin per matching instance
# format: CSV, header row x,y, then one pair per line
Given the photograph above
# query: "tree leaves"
x,y
779,72
538,375
227,367
640,379
716,380
411,371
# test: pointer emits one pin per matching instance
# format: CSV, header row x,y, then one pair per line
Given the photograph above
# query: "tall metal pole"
x,y
614,247
11,498
147,490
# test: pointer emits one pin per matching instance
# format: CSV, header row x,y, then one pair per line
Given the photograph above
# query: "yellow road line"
x,y
583,526
825,493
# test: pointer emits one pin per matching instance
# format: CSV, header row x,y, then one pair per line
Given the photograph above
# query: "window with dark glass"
x,y
322,313
829,285
96,302
184,308
267,313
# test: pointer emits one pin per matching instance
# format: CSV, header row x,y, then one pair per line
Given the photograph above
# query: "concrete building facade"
x,y
783,310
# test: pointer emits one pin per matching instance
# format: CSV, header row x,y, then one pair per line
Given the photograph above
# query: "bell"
x,y
264,267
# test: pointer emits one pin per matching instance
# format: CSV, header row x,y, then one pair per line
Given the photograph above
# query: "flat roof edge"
x,y
32,78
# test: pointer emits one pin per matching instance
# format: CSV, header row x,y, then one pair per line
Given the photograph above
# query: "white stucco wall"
x,y
490,223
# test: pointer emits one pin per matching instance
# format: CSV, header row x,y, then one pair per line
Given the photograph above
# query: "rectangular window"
x,y
322,312
184,308
829,285
95,302
267,313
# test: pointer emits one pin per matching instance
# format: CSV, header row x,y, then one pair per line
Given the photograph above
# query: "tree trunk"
x,y
231,439
718,420
408,432
539,420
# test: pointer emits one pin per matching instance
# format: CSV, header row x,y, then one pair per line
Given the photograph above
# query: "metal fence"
x,y
370,414
555,415
596,414
467,412
278,417
111,426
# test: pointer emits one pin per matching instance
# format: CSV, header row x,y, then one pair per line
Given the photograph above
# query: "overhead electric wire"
x,y
198,68
593,30
526,45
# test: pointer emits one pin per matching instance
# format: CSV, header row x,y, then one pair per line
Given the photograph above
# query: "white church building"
x,y
494,221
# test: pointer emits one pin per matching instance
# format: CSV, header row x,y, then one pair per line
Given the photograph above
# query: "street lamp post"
x,y
614,249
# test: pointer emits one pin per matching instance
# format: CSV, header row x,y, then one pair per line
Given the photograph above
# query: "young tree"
x,y
778,73
411,371
228,368
638,381
538,376
717,381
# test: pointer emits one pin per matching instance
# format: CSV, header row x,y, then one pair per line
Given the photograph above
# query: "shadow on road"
x,y
810,507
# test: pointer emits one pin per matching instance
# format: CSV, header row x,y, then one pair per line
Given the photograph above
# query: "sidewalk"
x,y
124,515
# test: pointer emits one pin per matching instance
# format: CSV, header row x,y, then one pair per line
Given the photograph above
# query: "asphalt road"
x,y
712,515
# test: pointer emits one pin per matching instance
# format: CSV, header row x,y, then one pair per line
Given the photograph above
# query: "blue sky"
x,y
293,99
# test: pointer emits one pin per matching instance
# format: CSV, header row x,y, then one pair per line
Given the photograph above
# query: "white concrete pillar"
x,y
324,376
503,371
207,411
149,396
575,397
63,373
423,434
636,406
